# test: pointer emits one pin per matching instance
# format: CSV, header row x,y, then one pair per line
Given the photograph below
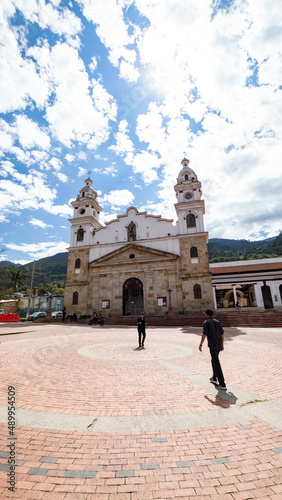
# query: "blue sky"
x,y
122,88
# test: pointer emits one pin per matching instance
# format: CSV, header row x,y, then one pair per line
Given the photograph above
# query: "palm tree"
x,y
17,278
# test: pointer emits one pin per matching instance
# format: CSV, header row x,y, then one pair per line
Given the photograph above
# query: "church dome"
x,y
186,174
87,191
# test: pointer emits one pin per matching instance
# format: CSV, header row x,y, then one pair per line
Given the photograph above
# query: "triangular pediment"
x,y
133,253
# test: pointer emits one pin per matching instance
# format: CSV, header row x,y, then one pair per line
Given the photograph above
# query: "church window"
x,y
197,292
193,252
80,235
191,220
186,177
75,298
82,211
83,194
131,232
77,264
132,256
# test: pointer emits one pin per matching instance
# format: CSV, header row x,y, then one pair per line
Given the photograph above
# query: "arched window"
x,y
131,232
77,264
80,235
186,177
280,290
193,252
75,298
197,292
191,220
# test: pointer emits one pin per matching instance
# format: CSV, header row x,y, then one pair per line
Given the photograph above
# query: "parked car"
x,y
36,315
57,314
2,311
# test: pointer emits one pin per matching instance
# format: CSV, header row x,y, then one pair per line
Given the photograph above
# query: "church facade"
x,y
139,261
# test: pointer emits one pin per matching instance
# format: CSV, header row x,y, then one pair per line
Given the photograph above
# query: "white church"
x,y
140,261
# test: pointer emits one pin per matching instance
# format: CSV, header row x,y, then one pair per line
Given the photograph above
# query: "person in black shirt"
x,y
213,330
141,325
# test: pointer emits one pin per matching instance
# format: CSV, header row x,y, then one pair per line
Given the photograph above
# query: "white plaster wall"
x,y
258,291
275,292
87,235
147,226
274,288
182,224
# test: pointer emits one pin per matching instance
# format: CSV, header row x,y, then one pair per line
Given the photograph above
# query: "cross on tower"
x,y
89,173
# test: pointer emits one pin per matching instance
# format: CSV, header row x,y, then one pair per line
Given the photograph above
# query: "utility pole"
x,y
30,290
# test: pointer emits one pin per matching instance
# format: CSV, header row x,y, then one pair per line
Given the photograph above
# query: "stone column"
x,y
214,296
234,293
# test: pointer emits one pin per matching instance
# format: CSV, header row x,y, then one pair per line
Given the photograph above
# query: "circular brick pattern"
x,y
101,373
120,351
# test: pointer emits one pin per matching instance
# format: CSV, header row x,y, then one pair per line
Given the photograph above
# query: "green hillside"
x,y
50,272
223,250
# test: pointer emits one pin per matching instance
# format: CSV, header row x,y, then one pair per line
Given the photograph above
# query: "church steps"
x,y
266,319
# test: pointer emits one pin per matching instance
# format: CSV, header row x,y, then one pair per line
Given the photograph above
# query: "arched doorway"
x,y
266,295
132,297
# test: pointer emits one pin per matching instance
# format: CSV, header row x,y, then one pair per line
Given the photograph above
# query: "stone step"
x,y
267,319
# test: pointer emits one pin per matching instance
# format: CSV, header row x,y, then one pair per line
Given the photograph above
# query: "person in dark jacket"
x,y
213,330
141,326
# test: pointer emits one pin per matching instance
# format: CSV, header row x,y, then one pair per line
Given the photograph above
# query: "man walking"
x,y
213,330
141,325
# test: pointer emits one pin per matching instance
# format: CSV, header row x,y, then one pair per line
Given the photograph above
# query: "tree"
x,y
17,278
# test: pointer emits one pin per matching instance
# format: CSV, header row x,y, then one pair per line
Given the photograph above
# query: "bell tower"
x,y
194,261
86,214
190,208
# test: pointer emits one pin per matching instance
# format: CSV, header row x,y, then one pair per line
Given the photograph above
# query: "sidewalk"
x,y
98,419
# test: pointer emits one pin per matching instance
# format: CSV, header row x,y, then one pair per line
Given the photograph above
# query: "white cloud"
x,y
22,84
39,250
81,171
119,197
27,192
142,162
110,171
61,177
39,223
30,135
113,32
93,64
82,155
75,114
69,158
56,163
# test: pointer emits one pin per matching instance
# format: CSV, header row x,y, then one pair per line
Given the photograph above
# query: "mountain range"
x,y
53,269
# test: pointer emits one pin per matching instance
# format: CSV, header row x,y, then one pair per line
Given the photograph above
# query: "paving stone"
x,y
5,467
149,466
79,473
51,460
37,472
222,460
161,407
188,463
4,454
125,473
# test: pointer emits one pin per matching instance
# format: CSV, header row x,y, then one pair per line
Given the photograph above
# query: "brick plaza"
x,y
96,418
